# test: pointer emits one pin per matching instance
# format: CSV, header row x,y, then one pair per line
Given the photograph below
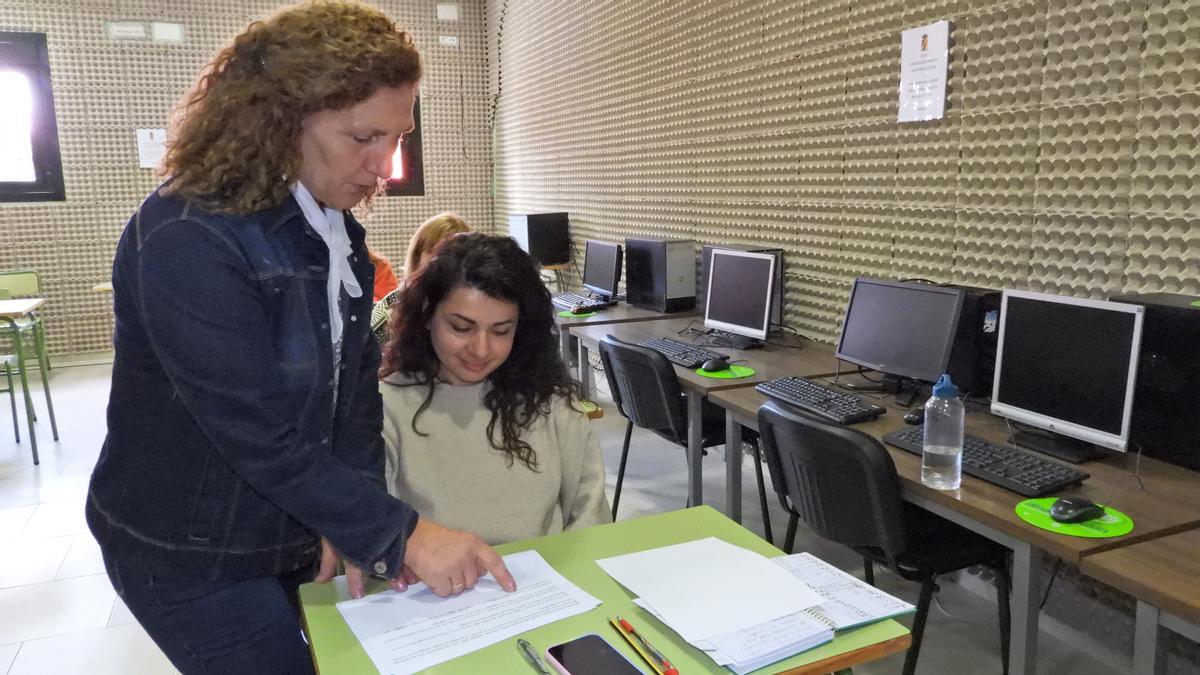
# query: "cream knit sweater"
x,y
453,475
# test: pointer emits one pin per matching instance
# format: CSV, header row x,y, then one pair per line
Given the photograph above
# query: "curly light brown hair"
x,y
234,141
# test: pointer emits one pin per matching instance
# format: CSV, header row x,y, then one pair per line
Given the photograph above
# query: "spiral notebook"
x,y
852,602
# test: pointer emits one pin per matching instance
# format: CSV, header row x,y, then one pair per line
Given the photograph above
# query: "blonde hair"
x,y
235,134
429,235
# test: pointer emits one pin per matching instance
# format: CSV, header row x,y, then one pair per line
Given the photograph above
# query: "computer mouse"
x,y
915,416
715,365
580,309
1075,510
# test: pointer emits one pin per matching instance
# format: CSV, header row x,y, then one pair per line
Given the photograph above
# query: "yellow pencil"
x,y
658,662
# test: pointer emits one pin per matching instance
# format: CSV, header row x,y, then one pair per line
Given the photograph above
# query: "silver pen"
x,y
532,657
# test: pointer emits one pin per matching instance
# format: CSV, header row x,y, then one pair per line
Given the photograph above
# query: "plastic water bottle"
x,y
941,459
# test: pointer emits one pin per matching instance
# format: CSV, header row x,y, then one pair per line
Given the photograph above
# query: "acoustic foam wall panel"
x,y
1065,162
105,89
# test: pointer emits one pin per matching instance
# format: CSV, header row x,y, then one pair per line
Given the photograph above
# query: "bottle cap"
x,y
945,388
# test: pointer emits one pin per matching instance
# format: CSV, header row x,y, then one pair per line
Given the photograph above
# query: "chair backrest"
x,y
840,481
645,388
21,283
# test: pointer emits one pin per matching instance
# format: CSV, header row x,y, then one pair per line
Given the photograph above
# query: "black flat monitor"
x,y
601,268
1067,366
902,329
739,293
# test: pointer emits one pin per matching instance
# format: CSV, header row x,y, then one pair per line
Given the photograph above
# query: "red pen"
x,y
662,664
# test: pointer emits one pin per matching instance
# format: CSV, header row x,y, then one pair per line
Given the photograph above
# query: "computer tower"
x,y
660,275
776,293
545,237
1165,424
973,357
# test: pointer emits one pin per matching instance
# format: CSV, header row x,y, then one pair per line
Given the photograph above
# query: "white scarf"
x,y
330,224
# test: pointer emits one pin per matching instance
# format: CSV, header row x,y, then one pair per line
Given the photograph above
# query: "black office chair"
x,y
647,393
843,483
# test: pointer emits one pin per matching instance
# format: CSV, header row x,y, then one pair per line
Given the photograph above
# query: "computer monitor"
x,y
739,293
902,329
601,267
1068,366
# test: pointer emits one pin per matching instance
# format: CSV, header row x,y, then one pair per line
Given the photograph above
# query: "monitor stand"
x,y
740,342
1055,445
906,390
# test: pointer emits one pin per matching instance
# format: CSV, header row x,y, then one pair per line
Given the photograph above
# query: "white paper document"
x,y
708,587
410,631
151,147
924,69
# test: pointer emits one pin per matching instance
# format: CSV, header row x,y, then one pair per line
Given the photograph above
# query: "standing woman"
x,y
243,448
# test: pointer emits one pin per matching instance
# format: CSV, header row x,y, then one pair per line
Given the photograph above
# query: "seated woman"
x,y
431,233
481,421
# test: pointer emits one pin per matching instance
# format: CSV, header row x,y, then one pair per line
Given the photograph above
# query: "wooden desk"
x,y
1164,576
12,311
336,650
811,359
619,313
990,510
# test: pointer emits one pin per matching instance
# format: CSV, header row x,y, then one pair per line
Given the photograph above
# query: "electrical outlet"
x,y
448,40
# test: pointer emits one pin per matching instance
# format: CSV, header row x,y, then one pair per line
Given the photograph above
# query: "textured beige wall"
x,y
105,89
1065,163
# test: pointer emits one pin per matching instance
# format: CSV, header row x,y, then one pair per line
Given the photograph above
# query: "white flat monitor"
x,y
1068,365
900,328
739,293
601,267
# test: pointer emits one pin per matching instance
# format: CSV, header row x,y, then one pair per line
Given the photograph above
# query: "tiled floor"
x,y
58,613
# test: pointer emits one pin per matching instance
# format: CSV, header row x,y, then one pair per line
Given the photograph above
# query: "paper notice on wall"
x,y
924,66
151,146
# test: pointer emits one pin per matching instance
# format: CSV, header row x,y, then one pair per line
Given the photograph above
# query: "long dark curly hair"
x,y
234,135
532,375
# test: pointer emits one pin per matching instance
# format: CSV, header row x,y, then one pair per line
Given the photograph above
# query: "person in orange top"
x,y
385,278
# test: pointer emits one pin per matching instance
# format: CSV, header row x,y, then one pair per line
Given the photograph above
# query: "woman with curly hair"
x,y
243,453
480,418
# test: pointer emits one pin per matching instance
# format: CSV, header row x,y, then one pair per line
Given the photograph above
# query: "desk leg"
x,y
1027,576
695,449
23,366
584,370
1145,641
564,345
733,468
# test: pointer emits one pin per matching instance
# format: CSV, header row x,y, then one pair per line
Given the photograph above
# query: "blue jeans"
x,y
230,627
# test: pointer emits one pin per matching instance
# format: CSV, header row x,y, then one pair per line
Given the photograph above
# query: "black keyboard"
x,y
681,353
569,301
820,400
1003,465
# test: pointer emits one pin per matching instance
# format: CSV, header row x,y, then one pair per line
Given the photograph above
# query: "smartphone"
x,y
589,655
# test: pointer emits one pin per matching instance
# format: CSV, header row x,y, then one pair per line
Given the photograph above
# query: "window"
x,y
30,166
408,171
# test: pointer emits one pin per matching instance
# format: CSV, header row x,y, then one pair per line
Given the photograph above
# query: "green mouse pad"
x,y
733,373
1036,512
566,314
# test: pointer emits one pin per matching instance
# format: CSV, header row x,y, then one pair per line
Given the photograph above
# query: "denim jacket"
x,y
228,450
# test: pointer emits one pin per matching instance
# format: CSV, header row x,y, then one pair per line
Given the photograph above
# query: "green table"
x,y
336,651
